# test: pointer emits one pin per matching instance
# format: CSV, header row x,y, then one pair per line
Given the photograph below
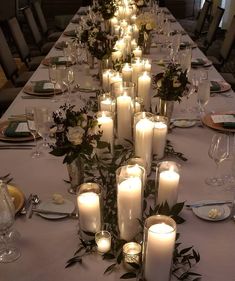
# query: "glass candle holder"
x,y
143,88
106,125
89,209
129,200
106,76
147,66
106,102
138,104
143,137
131,254
158,247
167,181
103,241
137,161
137,52
159,136
127,72
137,68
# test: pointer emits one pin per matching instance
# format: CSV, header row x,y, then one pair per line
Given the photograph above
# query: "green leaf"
x,y
128,275
177,208
110,268
184,251
88,233
108,256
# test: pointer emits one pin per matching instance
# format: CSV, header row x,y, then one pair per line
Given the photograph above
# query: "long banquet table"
x,y
46,245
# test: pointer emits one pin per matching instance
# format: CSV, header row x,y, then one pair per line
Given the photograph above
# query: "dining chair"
x,y
50,35
199,25
31,62
221,60
9,65
6,98
213,27
37,36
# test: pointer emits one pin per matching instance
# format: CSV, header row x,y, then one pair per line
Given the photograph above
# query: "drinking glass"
x,y
30,113
203,94
68,78
43,124
218,151
53,78
8,253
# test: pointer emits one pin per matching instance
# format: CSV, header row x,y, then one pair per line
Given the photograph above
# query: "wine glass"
x,y
43,124
218,151
30,113
68,79
8,253
53,78
203,94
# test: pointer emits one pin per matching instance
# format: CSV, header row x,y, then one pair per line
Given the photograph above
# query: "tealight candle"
x,y
131,253
103,241
137,52
144,84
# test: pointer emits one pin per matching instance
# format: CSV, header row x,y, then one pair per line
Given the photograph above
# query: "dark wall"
x,y
7,9
183,8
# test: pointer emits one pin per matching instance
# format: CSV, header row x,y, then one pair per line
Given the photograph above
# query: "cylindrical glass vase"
x,y
129,200
158,247
89,209
159,136
167,182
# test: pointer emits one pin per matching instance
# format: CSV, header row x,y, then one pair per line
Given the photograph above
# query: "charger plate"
x,y
207,120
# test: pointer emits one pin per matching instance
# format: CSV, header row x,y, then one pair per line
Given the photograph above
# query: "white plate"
x,y
66,207
184,123
202,212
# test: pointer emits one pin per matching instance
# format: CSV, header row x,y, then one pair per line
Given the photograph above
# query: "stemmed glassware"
x,y
43,124
218,151
8,253
203,92
30,113
53,78
68,79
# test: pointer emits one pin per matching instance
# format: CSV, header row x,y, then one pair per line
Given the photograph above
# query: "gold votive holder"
x,y
131,254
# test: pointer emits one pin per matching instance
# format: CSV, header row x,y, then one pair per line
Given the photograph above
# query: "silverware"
x,y
35,200
197,205
35,97
27,204
48,212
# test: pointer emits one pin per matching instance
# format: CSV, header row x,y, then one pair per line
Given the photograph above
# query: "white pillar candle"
x,y
159,252
168,187
159,139
129,203
147,65
133,19
106,126
127,73
124,117
144,84
133,44
143,141
107,105
116,78
89,211
137,52
114,21
137,106
105,79
135,31
137,67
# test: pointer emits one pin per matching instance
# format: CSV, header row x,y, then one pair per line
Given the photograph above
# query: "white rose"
x,y
75,135
176,83
149,26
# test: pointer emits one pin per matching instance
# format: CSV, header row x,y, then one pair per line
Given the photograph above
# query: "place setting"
x,y
57,60
222,121
200,62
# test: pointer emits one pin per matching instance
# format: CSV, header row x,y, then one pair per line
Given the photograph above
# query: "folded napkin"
x,y
229,125
43,86
71,33
61,45
17,129
198,62
58,60
215,86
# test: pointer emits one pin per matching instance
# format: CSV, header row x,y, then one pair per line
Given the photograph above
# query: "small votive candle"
x,y
103,241
131,253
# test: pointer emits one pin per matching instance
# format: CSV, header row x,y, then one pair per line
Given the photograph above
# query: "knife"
x,y
197,205
48,212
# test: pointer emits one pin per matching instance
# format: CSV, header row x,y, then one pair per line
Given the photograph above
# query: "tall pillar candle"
x,y
159,136
129,203
124,117
143,141
144,84
127,73
89,209
137,67
168,183
105,121
159,249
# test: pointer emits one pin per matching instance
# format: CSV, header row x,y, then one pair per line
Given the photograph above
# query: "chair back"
x,y
213,26
202,17
19,39
32,25
6,59
227,44
40,16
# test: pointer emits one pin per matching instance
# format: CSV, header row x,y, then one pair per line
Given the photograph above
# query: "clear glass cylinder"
x,y
167,182
143,88
106,126
131,254
106,79
89,209
129,200
127,72
159,136
158,247
140,163
143,137
103,241
106,102
138,104
119,88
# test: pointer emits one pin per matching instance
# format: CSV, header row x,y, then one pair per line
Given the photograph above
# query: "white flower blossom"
x,y
75,135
